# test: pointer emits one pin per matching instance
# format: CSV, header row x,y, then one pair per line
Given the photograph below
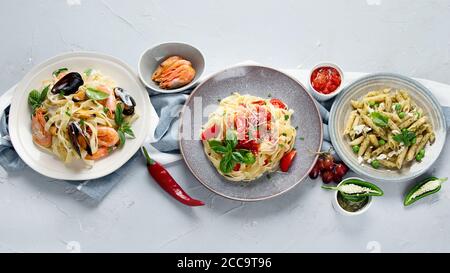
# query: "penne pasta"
x,y
364,146
388,127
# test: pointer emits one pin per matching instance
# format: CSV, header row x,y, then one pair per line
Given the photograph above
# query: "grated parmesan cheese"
x,y
429,186
354,189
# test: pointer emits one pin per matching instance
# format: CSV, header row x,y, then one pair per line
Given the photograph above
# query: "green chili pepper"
x,y
419,191
355,148
370,189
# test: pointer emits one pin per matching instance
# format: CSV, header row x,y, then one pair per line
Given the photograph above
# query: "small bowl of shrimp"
x,y
171,67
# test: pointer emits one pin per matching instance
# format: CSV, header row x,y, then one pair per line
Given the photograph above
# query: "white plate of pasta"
x,y
89,115
387,127
250,133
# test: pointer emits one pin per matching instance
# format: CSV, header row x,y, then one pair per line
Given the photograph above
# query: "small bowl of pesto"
x,y
353,196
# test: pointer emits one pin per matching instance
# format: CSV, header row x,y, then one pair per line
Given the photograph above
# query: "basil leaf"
x,y
379,119
226,164
220,149
213,143
34,99
237,157
249,158
88,72
407,137
118,115
43,95
95,94
58,71
121,137
231,139
128,131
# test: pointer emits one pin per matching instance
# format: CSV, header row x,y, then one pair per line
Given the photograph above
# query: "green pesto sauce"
x,y
351,206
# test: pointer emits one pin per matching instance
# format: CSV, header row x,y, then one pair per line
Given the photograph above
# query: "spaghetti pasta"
x,y
262,131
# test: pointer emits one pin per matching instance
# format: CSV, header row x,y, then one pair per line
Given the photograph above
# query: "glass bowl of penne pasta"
x,y
387,127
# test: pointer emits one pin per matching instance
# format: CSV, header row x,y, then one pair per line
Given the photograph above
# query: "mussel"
x,y
126,99
78,138
68,84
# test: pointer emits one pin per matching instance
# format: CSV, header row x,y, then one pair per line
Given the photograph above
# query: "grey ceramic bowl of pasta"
x,y
418,93
266,83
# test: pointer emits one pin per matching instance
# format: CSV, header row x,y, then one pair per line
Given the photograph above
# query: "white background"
x,y
407,37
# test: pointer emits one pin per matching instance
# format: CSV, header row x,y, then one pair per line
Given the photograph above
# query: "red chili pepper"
x,y
166,181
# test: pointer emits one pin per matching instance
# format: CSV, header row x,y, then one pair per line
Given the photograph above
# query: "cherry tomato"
x,y
237,167
286,160
278,103
251,145
325,79
210,132
259,102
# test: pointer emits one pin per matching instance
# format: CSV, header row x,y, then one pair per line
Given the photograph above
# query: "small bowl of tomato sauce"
x,y
325,81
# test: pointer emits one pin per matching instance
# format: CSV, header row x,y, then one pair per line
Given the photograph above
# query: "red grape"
x,y
320,163
337,178
328,164
340,169
327,177
315,171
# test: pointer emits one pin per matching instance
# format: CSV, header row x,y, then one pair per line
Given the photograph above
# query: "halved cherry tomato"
x,y
250,145
278,103
259,102
286,160
210,132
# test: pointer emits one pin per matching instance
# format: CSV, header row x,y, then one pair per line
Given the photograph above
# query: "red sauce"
x,y
325,79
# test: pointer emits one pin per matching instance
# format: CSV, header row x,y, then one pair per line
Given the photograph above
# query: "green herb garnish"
x,y
88,72
231,155
124,128
58,71
381,142
379,119
401,115
397,107
406,137
95,94
36,98
355,149
286,117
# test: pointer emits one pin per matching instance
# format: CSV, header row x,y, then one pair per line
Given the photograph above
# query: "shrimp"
x,y
107,136
111,101
40,136
173,73
101,153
